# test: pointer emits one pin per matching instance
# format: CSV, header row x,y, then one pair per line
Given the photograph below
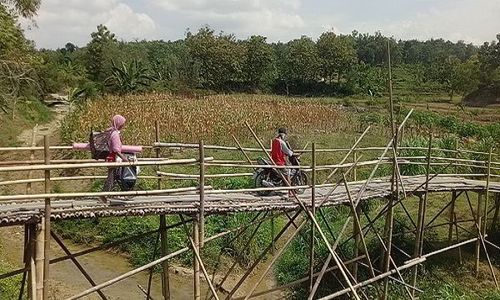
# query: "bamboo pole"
x,y
77,264
313,208
31,262
260,257
39,259
421,215
451,216
153,263
487,194
479,221
394,184
457,238
103,165
47,221
165,276
275,258
196,264
337,260
358,230
202,194
32,157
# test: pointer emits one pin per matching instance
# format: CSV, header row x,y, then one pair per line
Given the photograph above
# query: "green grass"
x,y
28,113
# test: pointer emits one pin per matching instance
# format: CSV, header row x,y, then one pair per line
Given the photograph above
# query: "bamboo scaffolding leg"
x,y
357,240
452,217
327,262
47,229
165,276
32,270
235,263
479,217
457,238
39,260
77,263
313,209
357,223
261,256
202,193
150,279
274,259
26,260
422,207
196,263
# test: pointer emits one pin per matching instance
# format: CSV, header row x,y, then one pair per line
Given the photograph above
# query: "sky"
x,y
62,21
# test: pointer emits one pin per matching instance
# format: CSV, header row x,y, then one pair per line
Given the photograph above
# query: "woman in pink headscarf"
x,y
115,148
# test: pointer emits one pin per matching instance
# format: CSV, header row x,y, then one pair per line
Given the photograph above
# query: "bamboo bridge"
x,y
35,210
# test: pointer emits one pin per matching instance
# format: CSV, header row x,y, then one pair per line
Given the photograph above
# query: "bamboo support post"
x,y
313,209
451,217
39,259
422,207
196,263
457,238
165,276
479,221
202,195
31,262
47,221
487,194
32,157
394,181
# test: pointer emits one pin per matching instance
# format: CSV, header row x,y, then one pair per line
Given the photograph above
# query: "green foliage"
x,y
258,58
337,54
129,78
99,52
219,57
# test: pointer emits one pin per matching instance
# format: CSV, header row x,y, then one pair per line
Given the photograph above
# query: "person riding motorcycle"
x,y
280,150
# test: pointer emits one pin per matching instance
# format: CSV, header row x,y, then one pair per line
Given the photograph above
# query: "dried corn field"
x,y
213,118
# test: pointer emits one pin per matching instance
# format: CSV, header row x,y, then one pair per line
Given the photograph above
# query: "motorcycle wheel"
x,y
300,179
258,184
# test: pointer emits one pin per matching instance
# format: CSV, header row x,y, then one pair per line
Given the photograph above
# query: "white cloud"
x,y
272,18
60,21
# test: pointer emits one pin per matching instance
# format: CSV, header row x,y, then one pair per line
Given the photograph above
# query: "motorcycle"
x,y
270,177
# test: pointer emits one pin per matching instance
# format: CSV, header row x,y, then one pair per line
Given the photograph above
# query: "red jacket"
x,y
279,151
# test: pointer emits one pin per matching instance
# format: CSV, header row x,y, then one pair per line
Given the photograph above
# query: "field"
x,y
330,122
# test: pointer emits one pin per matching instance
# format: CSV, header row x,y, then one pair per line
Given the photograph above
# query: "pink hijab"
x,y
117,122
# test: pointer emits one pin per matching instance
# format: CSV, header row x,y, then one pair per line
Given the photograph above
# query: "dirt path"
x,y
66,279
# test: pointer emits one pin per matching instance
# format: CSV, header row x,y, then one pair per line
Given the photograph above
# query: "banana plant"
x,y
129,78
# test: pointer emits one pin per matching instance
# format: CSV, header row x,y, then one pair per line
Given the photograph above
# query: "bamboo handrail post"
x,y
47,220
313,209
487,194
202,194
32,157
165,276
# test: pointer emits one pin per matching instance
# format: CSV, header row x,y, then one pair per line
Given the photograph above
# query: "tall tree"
x,y
98,52
337,54
220,58
302,60
258,58
25,8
